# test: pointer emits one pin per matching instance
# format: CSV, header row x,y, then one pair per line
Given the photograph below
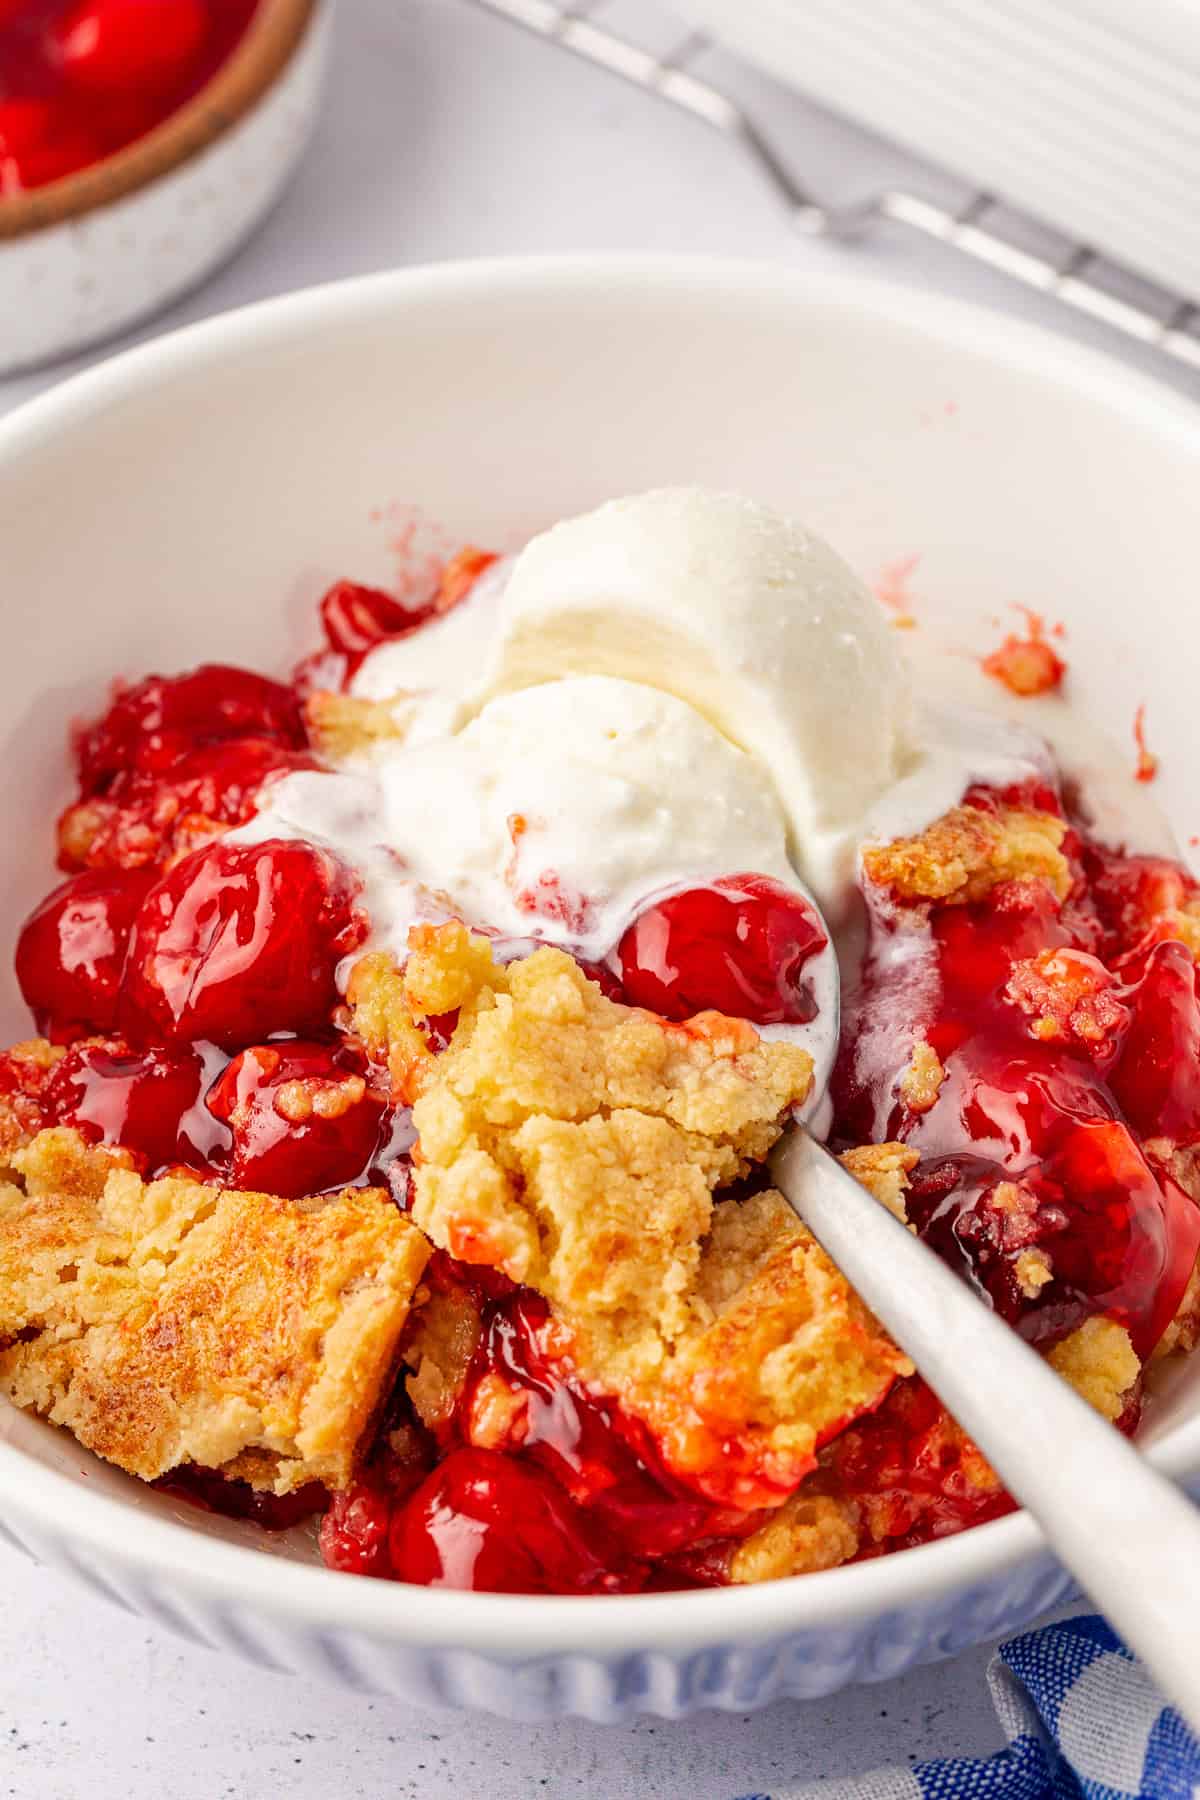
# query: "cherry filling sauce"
x,y
1067,1039
80,79
189,986
540,1487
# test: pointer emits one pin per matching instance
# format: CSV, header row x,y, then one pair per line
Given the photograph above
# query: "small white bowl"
x,y
190,499
91,254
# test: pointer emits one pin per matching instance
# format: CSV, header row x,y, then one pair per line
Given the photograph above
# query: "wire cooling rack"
x,y
982,227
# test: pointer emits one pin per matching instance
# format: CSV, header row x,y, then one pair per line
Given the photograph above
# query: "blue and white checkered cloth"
x,y
1083,1722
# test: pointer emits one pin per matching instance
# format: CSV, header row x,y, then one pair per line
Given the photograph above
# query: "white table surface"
x,y
447,133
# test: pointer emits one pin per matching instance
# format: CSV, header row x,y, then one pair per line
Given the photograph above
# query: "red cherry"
x,y
354,1532
150,727
1157,1075
22,171
237,942
71,951
737,947
356,618
136,1098
137,46
486,1521
24,124
302,1117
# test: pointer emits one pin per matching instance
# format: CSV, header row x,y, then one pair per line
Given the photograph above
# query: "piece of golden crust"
x,y
808,1532
1100,1363
447,966
345,725
962,856
439,1345
172,1322
741,1402
884,1169
574,1143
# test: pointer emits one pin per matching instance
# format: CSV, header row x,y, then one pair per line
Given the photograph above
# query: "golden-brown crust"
x,y
962,856
1067,995
1100,1363
741,1402
341,726
808,1532
439,1345
884,1169
574,1143
921,1082
174,1322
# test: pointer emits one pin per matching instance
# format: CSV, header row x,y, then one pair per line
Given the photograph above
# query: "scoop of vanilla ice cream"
x,y
425,673
557,813
741,612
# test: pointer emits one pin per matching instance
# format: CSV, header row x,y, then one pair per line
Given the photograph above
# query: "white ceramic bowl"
x,y
104,248
191,498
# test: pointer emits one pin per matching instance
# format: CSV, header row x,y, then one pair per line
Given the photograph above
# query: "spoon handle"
x,y
1128,1535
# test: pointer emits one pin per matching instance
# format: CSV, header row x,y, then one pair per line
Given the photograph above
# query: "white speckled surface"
x,y
449,134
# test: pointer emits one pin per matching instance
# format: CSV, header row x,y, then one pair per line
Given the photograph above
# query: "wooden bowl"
x,y
85,256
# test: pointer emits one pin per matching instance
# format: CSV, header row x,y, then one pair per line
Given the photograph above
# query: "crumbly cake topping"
x,y
962,856
884,1169
921,1082
341,726
807,1533
173,1322
574,1143
1100,1363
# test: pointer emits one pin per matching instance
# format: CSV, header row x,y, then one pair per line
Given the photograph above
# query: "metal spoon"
x,y
1129,1536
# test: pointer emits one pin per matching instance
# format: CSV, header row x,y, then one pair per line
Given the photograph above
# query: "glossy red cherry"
x,y
354,1532
238,942
139,1099
738,947
130,46
1157,1075
301,1116
71,951
25,124
356,618
489,1522
150,727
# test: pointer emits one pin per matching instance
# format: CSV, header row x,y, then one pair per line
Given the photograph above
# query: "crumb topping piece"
x,y
1100,1363
921,1082
808,1532
884,1169
574,1143
962,856
173,1322
341,726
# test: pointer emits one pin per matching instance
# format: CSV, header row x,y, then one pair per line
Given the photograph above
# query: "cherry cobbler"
x,y
462,1239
